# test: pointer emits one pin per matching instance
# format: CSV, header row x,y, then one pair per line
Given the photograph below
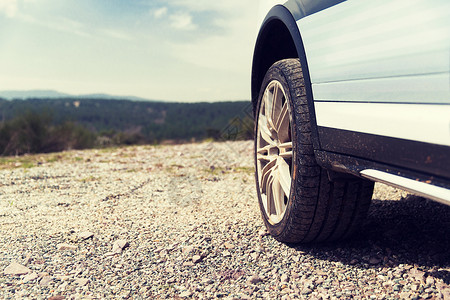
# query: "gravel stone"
x,y
45,281
16,269
196,259
85,235
254,279
119,245
170,207
64,247
81,281
30,277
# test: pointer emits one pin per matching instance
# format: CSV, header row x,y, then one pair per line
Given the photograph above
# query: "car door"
x,y
380,80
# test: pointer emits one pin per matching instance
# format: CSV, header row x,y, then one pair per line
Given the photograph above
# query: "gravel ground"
x,y
183,222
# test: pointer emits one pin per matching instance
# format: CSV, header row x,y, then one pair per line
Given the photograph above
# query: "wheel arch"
x,y
279,28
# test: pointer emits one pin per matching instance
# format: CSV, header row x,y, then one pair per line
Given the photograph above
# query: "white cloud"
x,y
232,49
160,12
8,8
208,5
182,21
116,34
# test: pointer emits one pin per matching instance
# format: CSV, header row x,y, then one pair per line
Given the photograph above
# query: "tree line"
x,y
49,125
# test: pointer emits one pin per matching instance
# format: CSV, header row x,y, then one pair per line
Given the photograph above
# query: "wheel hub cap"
x,y
274,152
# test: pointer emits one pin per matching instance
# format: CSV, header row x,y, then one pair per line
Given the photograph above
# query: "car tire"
x,y
298,201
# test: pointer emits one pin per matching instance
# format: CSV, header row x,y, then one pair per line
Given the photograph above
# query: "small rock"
x,y
228,245
262,232
306,291
226,253
254,255
85,235
63,278
319,281
254,279
57,297
27,260
64,247
45,281
185,294
196,259
81,281
63,286
171,280
16,269
284,278
30,277
206,281
188,264
405,295
119,245
187,249
446,294
417,274
430,280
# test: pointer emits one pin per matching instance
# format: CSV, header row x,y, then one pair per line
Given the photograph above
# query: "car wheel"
x,y
298,202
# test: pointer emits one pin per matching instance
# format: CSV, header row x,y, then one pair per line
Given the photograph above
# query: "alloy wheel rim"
x,y
274,152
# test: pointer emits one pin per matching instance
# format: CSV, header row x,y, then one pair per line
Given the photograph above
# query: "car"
x,y
345,94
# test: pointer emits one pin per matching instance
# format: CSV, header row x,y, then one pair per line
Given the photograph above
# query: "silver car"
x,y
346,93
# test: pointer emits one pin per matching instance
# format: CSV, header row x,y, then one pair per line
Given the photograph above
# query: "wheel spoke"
x,y
287,145
266,133
264,149
285,175
276,104
282,125
261,157
268,102
266,172
287,154
278,196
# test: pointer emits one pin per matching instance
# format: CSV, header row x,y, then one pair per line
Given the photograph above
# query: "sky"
x,y
173,50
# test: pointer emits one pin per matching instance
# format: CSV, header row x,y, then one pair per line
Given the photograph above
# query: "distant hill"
x,y
9,95
50,94
147,120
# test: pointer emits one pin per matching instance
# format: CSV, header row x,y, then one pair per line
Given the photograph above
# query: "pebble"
x,y
185,294
81,281
64,247
85,235
45,281
196,259
16,269
119,245
254,279
30,277
228,245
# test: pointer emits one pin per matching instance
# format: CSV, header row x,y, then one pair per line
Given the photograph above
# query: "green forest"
x,y
49,125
